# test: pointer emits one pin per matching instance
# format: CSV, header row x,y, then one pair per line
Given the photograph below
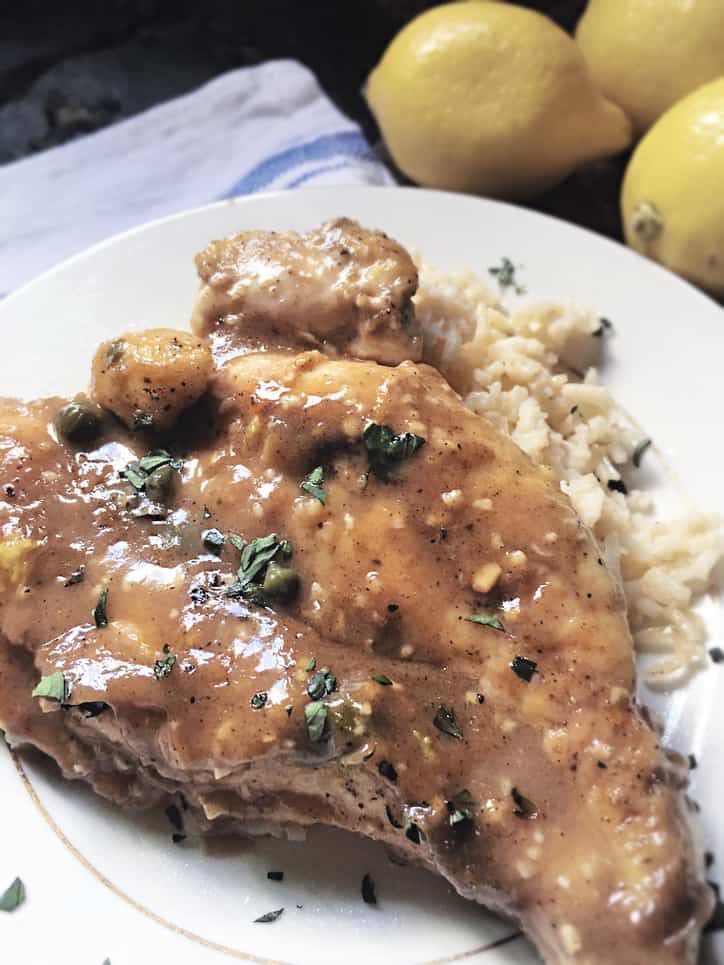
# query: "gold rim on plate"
x,y
184,932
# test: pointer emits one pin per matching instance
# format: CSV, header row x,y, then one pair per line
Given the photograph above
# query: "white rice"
x,y
508,365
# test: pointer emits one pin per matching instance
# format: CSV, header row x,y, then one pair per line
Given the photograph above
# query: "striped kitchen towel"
x,y
254,129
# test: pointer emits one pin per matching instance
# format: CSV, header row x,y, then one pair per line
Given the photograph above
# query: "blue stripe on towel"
x,y
327,146
315,172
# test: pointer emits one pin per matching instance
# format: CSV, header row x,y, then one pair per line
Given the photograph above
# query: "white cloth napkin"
x,y
253,129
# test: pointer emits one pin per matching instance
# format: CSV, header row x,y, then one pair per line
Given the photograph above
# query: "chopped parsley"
x,y
174,816
137,472
237,542
485,621
269,916
638,453
461,809
386,449
387,770
321,683
52,687
259,700
505,275
369,896
524,668
315,716
523,807
414,832
199,594
446,721
604,325
213,540
99,610
55,687
157,458
255,555
77,576
13,896
311,664
163,667
92,708
617,486
275,875
255,558
314,484
381,678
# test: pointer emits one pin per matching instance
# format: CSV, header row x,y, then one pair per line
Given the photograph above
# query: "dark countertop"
x,y
66,70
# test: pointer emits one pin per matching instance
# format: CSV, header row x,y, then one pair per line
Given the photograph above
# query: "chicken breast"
x,y
352,602
340,287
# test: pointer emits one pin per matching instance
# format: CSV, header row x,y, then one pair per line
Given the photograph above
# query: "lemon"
x,y
490,98
648,54
672,199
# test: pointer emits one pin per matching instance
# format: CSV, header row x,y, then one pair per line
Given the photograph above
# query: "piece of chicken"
x,y
358,604
506,754
147,379
340,287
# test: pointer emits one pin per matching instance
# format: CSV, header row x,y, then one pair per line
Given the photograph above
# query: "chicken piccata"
x,y
276,568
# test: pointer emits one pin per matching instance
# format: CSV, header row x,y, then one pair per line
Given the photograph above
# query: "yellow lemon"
x,y
648,54
672,199
490,98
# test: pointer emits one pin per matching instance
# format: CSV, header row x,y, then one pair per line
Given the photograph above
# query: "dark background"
x,y
70,68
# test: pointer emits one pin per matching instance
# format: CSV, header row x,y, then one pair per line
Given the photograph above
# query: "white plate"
x,y
102,884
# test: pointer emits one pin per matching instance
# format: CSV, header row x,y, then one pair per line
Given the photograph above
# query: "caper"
x,y
280,581
344,715
160,484
78,421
